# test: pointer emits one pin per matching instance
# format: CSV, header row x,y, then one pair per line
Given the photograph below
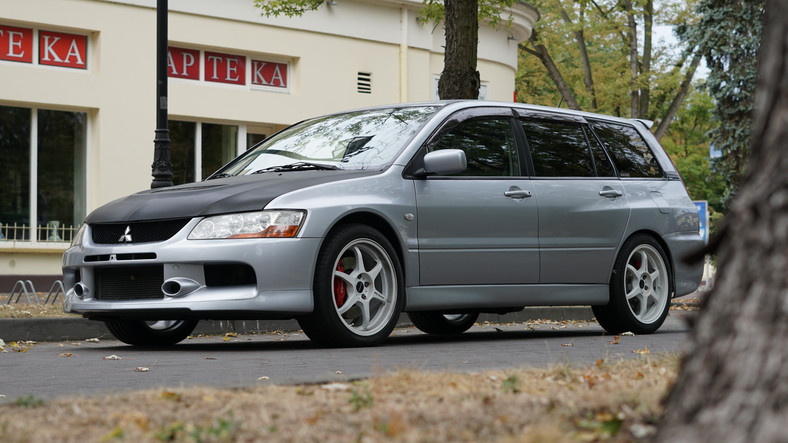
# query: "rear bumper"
x,y
687,276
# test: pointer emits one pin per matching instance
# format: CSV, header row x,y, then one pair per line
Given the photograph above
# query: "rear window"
x,y
629,151
558,149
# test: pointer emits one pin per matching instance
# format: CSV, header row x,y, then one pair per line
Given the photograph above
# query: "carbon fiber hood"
x,y
219,196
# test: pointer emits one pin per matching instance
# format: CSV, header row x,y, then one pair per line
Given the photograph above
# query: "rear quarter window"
x,y
630,153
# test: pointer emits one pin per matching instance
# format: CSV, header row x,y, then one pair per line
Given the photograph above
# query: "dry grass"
x,y
610,401
24,310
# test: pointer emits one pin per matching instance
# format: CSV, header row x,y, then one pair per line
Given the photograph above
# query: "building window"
x,y
46,154
199,149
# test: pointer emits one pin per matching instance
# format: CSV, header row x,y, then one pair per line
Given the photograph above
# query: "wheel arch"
x,y
658,238
375,221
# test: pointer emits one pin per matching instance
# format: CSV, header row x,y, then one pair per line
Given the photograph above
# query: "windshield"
x,y
354,140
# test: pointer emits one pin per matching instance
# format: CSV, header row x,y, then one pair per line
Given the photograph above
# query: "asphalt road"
x,y
46,369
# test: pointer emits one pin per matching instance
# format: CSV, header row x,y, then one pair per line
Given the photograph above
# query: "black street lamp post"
x,y
162,166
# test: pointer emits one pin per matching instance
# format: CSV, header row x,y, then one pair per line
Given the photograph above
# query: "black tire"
x,y
641,287
439,323
358,289
151,333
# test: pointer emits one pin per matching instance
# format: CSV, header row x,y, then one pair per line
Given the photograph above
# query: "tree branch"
x,y
682,92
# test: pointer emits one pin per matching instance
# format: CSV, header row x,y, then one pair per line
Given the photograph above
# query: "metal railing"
x,y
26,288
52,232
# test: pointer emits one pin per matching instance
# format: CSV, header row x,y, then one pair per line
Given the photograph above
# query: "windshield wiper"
x,y
297,166
222,175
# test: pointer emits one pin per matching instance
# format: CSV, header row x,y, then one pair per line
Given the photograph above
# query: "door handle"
x,y
517,193
607,192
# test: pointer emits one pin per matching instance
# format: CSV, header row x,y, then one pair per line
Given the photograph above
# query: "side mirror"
x,y
445,161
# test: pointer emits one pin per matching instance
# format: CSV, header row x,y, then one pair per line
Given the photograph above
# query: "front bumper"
x,y
276,283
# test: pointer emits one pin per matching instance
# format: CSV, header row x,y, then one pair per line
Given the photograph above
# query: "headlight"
x,y
77,240
261,224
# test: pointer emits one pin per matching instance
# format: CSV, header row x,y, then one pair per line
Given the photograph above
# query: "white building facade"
x,y
78,94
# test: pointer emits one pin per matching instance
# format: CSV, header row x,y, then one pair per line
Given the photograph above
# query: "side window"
x,y
558,149
488,144
630,153
603,166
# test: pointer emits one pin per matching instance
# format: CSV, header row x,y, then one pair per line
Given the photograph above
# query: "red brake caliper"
x,y
339,287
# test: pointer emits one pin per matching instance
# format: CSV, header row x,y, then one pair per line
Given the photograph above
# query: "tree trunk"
x,y
633,59
645,67
588,79
676,103
733,383
460,79
555,75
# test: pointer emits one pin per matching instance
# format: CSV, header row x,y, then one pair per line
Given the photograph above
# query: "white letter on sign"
x,y
232,67
74,50
14,44
186,64
171,63
48,48
258,74
277,75
214,59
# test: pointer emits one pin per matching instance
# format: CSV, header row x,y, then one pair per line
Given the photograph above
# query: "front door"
x,y
480,226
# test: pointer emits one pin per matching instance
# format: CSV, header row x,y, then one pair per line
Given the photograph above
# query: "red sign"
x,y
269,74
225,68
16,44
183,63
61,49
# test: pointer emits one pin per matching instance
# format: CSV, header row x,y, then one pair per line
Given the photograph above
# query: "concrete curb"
x,y
70,329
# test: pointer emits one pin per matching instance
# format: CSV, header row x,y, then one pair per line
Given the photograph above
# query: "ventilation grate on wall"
x,y
364,83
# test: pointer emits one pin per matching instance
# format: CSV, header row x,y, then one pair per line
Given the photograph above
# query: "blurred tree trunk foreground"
x,y
733,383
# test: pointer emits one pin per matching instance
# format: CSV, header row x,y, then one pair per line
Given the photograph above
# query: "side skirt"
x,y
431,298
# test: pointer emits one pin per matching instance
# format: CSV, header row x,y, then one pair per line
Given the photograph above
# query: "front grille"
x,y
129,282
138,232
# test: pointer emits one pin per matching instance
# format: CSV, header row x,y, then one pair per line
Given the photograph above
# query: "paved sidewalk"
x,y
77,328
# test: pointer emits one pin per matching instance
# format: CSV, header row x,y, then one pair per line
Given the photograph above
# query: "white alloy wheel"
x,y
364,287
646,283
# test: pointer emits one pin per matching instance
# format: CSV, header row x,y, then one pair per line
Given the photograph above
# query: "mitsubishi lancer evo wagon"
x,y
441,210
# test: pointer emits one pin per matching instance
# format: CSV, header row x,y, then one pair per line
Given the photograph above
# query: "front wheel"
x,y
151,333
640,289
443,324
358,289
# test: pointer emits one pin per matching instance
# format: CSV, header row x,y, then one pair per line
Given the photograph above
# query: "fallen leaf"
x,y
112,357
615,340
264,377
643,351
65,354
567,344
141,369
92,340
336,387
339,372
628,333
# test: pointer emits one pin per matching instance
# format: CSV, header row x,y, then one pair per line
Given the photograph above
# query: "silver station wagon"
x,y
442,210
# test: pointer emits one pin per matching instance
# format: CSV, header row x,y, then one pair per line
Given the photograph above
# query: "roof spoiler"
x,y
647,123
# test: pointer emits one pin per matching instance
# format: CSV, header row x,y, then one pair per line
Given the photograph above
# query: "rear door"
x,y
478,227
583,210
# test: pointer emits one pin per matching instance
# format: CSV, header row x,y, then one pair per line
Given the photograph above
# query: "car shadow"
x,y
302,343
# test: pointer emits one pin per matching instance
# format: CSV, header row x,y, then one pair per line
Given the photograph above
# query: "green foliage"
x,y
290,8
490,11
29,401
728,34
360,400
687,144
511,384
219,430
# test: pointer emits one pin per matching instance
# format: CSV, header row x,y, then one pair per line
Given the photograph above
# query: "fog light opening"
x,y
80,290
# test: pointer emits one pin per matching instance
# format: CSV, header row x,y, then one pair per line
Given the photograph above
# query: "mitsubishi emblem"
x,y
126,237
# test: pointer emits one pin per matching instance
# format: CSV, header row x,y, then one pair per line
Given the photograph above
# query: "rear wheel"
x,y
358,289
640,289
443,324
151,333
